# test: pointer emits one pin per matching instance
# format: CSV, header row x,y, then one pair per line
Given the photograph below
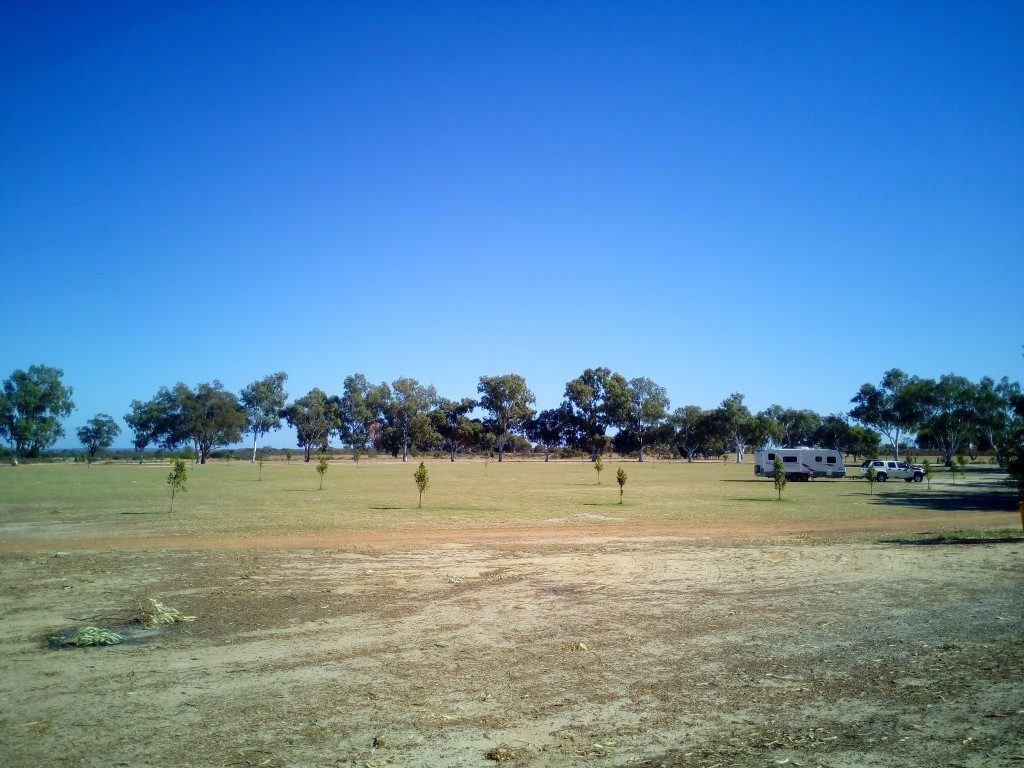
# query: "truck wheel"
x,y
918,478
882,477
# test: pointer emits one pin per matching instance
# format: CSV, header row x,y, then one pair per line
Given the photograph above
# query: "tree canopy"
x,y
98,434
405,407
646,411
598,399
313,416
507,399
263,401
895,407
32,406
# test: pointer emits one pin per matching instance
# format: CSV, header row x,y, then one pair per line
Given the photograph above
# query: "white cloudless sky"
x,y
783,200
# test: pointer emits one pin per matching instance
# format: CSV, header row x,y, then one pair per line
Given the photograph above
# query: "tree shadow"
x,y
951,500
954,540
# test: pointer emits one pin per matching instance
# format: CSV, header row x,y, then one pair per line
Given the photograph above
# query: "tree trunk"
x,y
547,452
254,438
452,453
405,451
640,455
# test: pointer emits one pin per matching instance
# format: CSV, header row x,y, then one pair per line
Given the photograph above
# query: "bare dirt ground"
x,y
547,648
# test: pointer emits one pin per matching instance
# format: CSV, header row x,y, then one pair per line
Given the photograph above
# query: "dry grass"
x,y
227,499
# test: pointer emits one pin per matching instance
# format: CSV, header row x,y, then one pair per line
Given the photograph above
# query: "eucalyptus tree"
x,y
1015,443
144,419
507,399
313,416
207,416
762,430
950,413
833,432
734,422
405,408
864,441
795,426
33,404
98,434
995,416
895,407
211,416
360,411
646,411
263,401
693,430
550,428
597,399
457,431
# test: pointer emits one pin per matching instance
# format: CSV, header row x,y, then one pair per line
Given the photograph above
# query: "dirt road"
x,y
543,648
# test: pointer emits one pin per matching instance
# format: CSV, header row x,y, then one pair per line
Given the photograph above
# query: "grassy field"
x,y
228,498
521,617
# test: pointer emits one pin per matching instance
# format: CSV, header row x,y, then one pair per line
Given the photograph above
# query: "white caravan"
x,y
800,463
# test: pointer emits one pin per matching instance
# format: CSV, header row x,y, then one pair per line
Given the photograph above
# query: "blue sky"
x,y
780,199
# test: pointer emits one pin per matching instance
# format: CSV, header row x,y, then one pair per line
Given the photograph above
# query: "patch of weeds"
x,y
89,636
161,615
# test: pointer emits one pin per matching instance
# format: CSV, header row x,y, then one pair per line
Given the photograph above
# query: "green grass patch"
x,y
226,498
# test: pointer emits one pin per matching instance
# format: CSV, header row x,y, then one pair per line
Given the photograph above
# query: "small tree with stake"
x,y
598,467
321,468
870,475
779,473
422,478
176,479
621,478
928,473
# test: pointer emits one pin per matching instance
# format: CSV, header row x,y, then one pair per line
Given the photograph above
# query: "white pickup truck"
x,y
896,470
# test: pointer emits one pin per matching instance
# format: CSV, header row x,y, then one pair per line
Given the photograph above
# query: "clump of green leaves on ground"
x,y
160,615
88,636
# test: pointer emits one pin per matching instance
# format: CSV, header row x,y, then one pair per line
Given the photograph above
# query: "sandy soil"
x,y
547,648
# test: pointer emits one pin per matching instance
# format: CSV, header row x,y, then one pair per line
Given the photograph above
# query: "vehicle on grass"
x,y
896,470
800,464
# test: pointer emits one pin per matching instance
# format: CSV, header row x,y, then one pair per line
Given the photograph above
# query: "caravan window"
x,y
789,459
818,459
771,457
831,459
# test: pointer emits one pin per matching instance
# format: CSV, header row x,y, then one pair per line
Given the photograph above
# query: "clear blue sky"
x,y
780,199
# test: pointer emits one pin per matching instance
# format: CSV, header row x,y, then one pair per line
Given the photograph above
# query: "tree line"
x,y
601,411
